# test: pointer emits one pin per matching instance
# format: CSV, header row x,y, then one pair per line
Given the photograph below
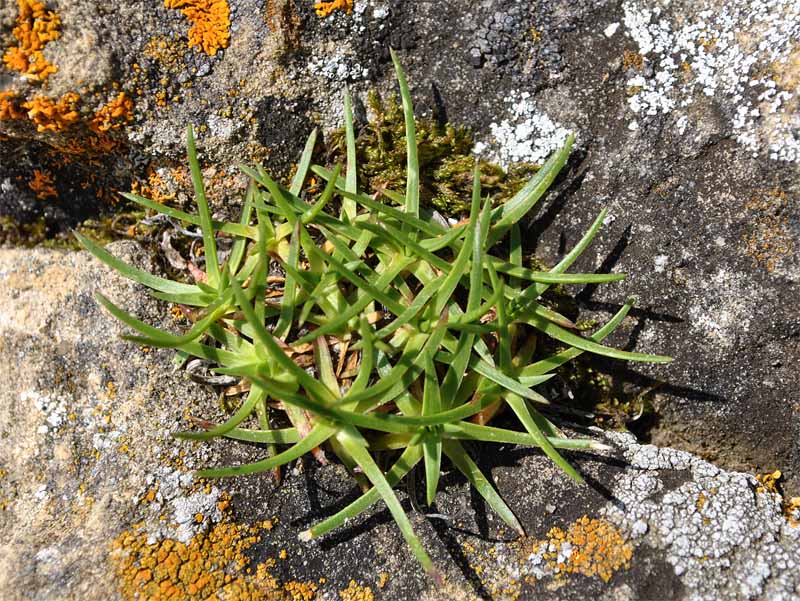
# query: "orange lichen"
x,y
9,107
161,185
42,184
383,579
356,592
113,115
212,565
50,115
597,548
36,26
211,22
770,484
325,8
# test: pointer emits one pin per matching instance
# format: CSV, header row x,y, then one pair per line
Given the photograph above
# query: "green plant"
x,y
444,154
416,333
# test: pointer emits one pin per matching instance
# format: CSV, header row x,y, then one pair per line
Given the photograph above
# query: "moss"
x,y
102,230
445,158
13,233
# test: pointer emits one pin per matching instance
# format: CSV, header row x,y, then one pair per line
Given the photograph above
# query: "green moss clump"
x,y
14,233
445,159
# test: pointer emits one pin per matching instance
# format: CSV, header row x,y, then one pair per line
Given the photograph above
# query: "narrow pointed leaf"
x,y
375,475
515,209
132,273
518,405
551,363
351,185
404,464
412,166
432,443
254,396
586,344
209,244
459,457
302,166
316,437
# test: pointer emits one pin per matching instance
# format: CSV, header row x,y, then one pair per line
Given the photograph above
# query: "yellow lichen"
x,y
42,184
769,484
301,591
325,8
210,22
36,26
708,43
113,114
383,579
50,115
356,592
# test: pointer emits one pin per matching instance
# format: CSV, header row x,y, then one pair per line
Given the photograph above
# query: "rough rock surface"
x,y
97,502
687,121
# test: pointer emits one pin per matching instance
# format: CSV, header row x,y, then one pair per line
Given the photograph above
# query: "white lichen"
x,y
527,134
731,53
712,526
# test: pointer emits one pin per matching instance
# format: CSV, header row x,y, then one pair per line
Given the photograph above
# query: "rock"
x,y
97,501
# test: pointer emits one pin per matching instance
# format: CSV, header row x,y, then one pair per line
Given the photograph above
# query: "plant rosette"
x,y
393,332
